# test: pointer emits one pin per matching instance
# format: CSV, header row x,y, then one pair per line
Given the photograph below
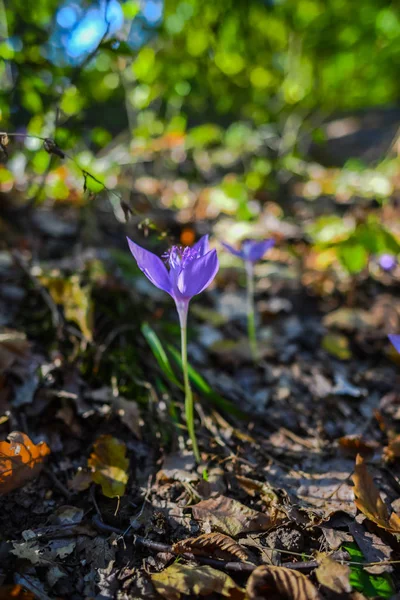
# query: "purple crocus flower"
x,y
251,250
191,270
387,262
395,339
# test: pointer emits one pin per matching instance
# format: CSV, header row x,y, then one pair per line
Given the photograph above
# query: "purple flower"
x,y
191,270
395,339
387,262
251,250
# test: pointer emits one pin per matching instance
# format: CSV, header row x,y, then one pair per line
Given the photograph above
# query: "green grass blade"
x,y
205,389
159,353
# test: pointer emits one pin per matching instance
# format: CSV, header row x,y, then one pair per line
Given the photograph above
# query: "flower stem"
x,y
189,407
251,321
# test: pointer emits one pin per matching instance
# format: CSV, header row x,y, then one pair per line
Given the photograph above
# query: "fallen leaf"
x,y
178,467
337,345
254,487
191,581
373,549
352,445
334,576
30,551
128,412
98,551
74,298
279,583
392,450
350,319
231,517
369,501
109,465
15,592
216,545
80,481
13,346
20,461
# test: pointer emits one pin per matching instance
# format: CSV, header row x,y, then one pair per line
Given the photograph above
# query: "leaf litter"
x,y
112,502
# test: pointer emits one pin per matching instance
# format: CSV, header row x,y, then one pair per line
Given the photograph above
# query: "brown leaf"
x,y
355,444
109,465
392,450
278,583
216,545
13,346
20,461
231,517
80,481
191,581
334,576
15,592
369,501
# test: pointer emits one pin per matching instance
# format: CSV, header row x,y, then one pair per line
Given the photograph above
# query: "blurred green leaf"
x,y
380,586
354,257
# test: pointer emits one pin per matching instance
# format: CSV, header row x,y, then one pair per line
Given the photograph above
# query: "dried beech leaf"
x,y
20,461
353,445
334,576
109,465
279,583
190,581
369,501
231,517
216,545
392,450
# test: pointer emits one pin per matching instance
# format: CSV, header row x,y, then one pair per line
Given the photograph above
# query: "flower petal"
x,y
256,250
202,246
233,250
395,339
152,266
198,274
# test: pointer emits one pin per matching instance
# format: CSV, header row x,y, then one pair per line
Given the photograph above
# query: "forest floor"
x,y
299,452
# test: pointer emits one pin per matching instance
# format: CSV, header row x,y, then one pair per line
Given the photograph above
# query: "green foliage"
x,y
353,243
380,586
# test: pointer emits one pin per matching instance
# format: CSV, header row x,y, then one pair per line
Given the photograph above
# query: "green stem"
x,y
251,320
189,407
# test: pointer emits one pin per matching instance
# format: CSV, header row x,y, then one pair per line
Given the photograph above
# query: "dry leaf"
x,y
13,346
80,481
216,545
334,576
354,444
369,501
128,412
20,461
15,592
109,465
231,517
74,298
191,581
278,583
392,450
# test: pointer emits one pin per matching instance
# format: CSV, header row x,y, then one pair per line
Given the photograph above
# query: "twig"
x,y
60,486
236,566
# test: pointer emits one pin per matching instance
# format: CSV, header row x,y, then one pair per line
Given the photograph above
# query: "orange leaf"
x,y
20,461
368,499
